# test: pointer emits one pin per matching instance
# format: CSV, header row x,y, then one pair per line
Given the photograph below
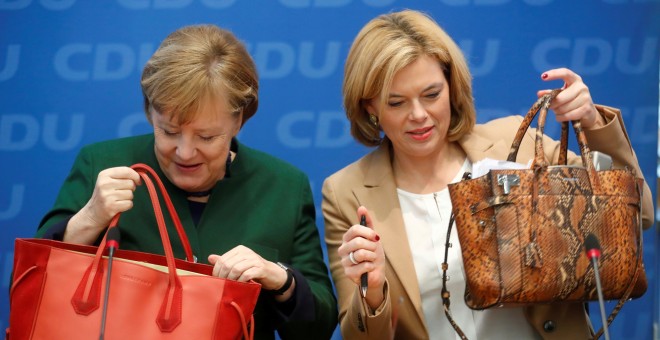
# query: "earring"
x,y
373,119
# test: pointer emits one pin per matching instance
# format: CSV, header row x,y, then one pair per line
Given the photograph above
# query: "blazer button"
x,y
549,326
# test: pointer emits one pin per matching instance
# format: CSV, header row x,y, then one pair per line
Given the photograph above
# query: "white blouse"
x,y
426,218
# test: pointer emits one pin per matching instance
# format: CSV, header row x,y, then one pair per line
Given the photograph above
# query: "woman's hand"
x,y
243,264
363,243
113,194
574,102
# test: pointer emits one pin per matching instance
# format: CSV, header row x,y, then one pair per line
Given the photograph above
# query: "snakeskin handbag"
x,y
522,232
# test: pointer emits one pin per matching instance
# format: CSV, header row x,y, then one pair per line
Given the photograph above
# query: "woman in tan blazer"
x,y
407,90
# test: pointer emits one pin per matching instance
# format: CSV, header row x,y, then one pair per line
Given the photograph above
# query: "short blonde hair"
x,y
389,43
195,64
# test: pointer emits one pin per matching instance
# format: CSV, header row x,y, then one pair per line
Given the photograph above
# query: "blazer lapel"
x,y
478,148
379,196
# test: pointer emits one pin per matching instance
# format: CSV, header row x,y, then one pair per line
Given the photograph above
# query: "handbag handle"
x,y
140,167
527,122
88,294
541,107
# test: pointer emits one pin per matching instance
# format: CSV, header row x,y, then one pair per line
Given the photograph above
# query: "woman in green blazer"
x,y
247,213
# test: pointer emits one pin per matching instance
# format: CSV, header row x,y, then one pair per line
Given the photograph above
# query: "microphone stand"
x,y
593,253
112,243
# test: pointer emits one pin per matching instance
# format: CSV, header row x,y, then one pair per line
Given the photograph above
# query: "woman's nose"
x,y
185,148
418,111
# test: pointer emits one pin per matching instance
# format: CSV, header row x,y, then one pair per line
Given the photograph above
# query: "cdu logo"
x,y
8,70
332,3
488,61
492,2
16,198
20,132
593,56
313,60
103,61
52,5
329,129
172,4
133,124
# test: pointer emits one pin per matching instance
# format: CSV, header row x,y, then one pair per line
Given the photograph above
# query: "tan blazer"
x,y
370,182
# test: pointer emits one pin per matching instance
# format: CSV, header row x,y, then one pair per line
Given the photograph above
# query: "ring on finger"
x,y
352,258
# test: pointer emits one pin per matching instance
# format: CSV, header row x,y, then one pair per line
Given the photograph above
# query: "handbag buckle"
x,y
507,181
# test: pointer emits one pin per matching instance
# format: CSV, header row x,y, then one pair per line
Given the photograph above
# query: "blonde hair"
x,y
195,64
389,43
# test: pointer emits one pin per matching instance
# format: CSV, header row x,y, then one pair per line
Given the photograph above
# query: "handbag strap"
x,y
541,107
143,170
445,266
527,122
638,268
86,299
140,167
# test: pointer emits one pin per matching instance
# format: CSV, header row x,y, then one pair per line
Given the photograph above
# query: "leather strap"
x,y
445,266
86,299
638,269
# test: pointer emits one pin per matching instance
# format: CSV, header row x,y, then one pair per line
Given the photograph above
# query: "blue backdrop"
x,y
70,69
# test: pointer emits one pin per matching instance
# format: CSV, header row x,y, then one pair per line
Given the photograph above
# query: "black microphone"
x,y
112,242
593,253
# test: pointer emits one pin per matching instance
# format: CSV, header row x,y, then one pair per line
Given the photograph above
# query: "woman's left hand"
x,y
243,264
574,102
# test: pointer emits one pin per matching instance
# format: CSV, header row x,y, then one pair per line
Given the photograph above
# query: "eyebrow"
x,y
439,85
203,131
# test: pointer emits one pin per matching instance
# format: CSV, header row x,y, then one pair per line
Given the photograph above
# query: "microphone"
x,y
112,242
593,253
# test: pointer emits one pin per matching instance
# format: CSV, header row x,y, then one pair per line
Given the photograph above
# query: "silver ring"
x,y
352,258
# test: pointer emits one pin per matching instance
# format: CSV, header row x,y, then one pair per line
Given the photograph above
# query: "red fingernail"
x,y
544,75
377,237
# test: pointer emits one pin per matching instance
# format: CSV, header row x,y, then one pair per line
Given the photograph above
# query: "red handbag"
x,y
57,290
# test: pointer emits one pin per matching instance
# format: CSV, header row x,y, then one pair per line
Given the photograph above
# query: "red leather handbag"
x,y
57,290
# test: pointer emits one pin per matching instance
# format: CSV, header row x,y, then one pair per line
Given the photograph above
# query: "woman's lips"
x,y
188,167
421,134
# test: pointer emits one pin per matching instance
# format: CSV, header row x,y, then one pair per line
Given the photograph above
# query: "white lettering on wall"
x,y
306,129
481,65
19,132
172,4
592,56
277,60
10,67
103,61
15,205
332,3
492,2
133,124
53,5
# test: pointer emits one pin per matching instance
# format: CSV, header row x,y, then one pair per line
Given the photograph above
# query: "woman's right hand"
x,y
113,194
368,253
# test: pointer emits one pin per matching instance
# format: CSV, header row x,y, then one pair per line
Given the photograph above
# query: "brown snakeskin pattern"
x,y
527,246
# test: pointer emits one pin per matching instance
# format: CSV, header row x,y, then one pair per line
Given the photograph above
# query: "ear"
x,y
370,107
238,123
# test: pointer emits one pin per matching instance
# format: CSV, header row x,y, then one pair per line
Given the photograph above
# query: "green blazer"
x,y
264,204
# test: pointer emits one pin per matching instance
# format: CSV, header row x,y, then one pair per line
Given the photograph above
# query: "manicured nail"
x,y
377,237
544,75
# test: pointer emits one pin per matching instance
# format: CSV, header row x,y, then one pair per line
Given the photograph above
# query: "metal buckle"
x,y
507,181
